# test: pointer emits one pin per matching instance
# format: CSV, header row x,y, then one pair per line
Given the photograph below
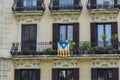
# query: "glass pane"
x,y
101,75
66,3
70,2
100,33
32,74
29,3
110,73
62,74
108,33
62,33
70,33
69,75
24,75
100,3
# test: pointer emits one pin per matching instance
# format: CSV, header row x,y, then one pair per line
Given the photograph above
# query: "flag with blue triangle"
x,y
63,49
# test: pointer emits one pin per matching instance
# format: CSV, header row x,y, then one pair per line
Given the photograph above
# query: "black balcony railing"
x,y
19,7
67,7
46,48
106,5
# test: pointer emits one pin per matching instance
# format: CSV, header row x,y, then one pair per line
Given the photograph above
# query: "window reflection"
x,y
29,3
104,29
28,74
66,32
105,3
66,4
105,74
66,74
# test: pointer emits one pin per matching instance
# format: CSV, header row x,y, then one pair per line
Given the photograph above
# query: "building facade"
x,y
31,29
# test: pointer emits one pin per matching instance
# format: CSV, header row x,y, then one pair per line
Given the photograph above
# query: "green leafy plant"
x,y
86,46
104,36
114,37
72,46
48,49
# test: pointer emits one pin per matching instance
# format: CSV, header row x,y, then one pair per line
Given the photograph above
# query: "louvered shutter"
x,y
115,4
55,34
55,74
17,74
93,4
94,34
115,74
76,4
19,5
39,4
76,73
76,33
55,4
37,74
114,30
94,74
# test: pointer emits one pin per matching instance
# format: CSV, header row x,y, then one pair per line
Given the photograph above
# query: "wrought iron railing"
x,y
66,7
46,48
26,8
106,5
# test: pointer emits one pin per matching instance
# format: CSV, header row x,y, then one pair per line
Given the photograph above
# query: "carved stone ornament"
x,y
105,63
66,17
104,17
66,63
28,18
27,64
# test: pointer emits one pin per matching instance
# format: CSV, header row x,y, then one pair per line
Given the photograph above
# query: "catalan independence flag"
x,y
63,49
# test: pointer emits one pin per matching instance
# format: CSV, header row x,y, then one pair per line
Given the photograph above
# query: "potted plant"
x,y
96,49
110,49
50,51
114,41
72,47
104,36
86,47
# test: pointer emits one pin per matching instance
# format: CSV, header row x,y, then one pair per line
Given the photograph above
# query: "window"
x,y
66,4
65,74
105,3
105,74
66,32
29,3
29,37
63,32
104,29
27,74
98,29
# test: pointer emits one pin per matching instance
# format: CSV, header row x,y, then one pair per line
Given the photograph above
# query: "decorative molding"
x,y
65,17
66,63
104,17
27,64
105,63
28,18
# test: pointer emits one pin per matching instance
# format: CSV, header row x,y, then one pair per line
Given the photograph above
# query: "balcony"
x,y
21,8
105,7
65,8
85,49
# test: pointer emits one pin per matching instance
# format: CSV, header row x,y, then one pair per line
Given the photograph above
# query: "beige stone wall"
x,y
10,26
10,32
46,65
